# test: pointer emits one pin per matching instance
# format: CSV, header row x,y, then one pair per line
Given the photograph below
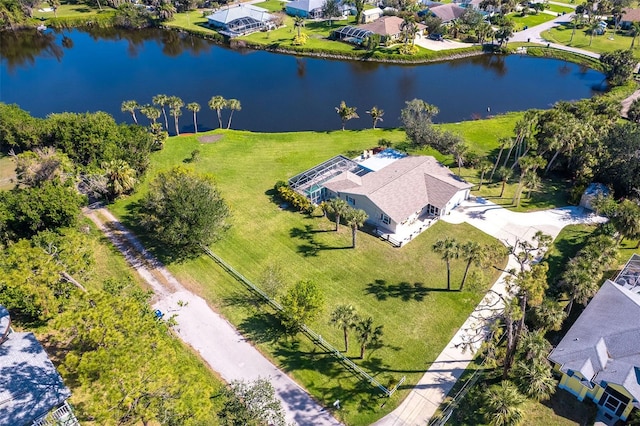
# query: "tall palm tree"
x,y
346,113
345,318
536,379
337,207
484,31
408,29
368,335
505,174
298,23
151,112
459,151
162,100
504,404
121,178
376,115
503,143
483,167
528,165
473,253
593,29
130,107
176,104
355,218
218,103
448,249
626,220
549,315
635,31
233,105
576,20
194,107
165,10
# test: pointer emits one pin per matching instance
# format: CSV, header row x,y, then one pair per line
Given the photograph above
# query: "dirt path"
x,y
217,341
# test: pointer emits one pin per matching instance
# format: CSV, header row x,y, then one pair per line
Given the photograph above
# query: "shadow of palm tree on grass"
x,y
403,290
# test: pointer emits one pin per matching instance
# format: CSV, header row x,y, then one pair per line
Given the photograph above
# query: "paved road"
x,y
217,341
507,226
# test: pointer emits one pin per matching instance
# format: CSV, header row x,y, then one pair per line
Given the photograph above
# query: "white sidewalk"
x,y
423,401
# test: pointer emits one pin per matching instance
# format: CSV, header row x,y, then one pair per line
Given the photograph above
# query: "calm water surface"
x,y
77,71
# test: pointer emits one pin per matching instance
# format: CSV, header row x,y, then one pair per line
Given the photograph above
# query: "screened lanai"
x,y
242,26
351,34
309,183
629,277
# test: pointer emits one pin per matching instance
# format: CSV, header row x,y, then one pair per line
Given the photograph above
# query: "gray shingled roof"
x,y
447,12
306,5
30,385
604,342
403,187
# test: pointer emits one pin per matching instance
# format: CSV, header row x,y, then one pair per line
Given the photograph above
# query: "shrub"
x,y
298,201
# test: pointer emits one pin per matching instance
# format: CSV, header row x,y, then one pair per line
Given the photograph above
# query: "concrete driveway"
x,y
507,226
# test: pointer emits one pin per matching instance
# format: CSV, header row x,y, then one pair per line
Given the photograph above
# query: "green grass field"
x,y
529,20
607,42
400,288
69,10
272,5
560,9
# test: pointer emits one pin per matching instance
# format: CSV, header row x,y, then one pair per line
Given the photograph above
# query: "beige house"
x,y
401,193
389,28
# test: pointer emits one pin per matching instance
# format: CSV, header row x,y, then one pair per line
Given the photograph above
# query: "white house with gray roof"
x,y
402,192
31,390
240,20
599,357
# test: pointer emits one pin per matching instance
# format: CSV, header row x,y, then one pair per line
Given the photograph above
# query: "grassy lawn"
x,y
529,20
271,5
600,44
7,173
400,288
483,135
69,10
559,9
568,242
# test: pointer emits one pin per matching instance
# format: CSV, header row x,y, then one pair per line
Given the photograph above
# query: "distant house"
x,y
629,16
388,27
591,193
240,20
30,387
599,357
447,12
371,15
309,9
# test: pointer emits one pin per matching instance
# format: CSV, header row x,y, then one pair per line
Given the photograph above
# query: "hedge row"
x,y
298,201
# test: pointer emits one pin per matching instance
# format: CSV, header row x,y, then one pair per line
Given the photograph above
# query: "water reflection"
x,y
22,48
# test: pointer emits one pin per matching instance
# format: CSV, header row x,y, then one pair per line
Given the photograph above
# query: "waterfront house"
x,y
239,20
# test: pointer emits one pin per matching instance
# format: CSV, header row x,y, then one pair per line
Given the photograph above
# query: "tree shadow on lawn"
x,y
262,327
567,405
404,290
312,247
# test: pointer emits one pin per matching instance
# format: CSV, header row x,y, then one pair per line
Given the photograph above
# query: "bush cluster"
x,y
298,201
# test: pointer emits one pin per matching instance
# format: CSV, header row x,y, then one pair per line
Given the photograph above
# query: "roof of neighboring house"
x,y
227,15
603,345
631,15
306,5
387,25
403,187
30,385
447,12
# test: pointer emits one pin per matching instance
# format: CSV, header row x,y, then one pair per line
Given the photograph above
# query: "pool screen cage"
x,y
309,183
351,34
629,277
242,26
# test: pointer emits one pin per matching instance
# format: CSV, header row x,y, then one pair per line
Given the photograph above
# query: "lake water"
x,y
77,71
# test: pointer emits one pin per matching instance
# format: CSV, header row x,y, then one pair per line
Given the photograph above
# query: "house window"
x,y
385,219
351,201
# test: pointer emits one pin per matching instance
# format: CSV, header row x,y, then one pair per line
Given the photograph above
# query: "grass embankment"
x,y
318,44
400,288
74,14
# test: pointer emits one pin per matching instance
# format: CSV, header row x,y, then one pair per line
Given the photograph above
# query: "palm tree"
x,y
367,335
593,29
528,165
376,115
166,10
355,218
536,379
337,207
448,249
176,104
162,100
233,105
121,177
151,112
472,252
55,4
130,107
483,167
635,30
576,20
218,103
532,182
626,220
408,29
344,317
505,174
194,107
346,113
459,151
484,31
549,315
503,143
298,23
504,404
